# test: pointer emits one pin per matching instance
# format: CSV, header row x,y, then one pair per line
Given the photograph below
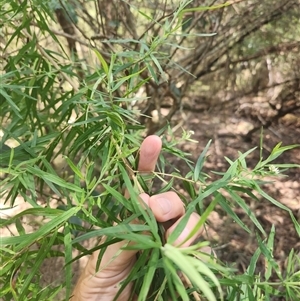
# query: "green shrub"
x,y
52,116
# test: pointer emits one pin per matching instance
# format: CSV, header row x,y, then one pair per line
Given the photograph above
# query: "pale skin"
x,y
166,207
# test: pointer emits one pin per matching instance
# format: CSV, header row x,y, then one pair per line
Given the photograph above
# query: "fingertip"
x,y
149,152
154,139
151,145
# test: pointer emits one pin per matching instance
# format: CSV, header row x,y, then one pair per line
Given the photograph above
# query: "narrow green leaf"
x,y
152,72
269,257
156,62
276,152
270,246
136,274
74,168
27,239
246,208
68,258
253,262
210,189
171,275
119,197
290,264
139,206
176,281
19,227
52,178
232,214
14,107
200,162
204,269
279,205
102,61
114,231
41,255
148,278
200,223
190,271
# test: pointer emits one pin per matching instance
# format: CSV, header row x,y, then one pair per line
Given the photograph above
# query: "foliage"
x,y
58,107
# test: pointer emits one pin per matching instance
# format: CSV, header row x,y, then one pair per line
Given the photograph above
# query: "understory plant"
x,y
69,148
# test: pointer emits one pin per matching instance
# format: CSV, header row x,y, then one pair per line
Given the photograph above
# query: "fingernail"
x,y
164,204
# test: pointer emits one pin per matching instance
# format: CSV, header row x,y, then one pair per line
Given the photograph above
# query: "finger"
x,y
149,152
166,206
192,222
115,260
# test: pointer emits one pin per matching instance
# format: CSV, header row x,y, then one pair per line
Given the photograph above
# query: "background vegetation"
x,y
83,81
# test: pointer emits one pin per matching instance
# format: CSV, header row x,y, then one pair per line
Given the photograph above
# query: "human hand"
x,y
166,207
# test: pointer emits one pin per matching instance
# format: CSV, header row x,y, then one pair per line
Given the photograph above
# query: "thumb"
x,y
114,258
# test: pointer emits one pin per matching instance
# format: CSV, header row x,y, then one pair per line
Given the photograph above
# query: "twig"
x,y
69,36
189,284
49,58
